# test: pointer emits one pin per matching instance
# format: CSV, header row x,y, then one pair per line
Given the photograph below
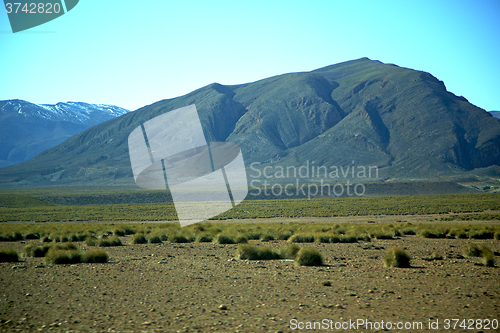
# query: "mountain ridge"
x,y
27,129
360,112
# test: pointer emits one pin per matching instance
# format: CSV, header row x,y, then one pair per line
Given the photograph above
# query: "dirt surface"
x,y
199,287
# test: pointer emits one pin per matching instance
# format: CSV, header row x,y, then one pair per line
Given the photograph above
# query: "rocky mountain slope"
x,y
27,129
356,113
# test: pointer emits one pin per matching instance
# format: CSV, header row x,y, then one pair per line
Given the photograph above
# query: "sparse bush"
x,y
241,239
326,283
308,256
16,236
32,235
288,251
56,256
138,239
348,239
301,238
80,237
91,240
324,238
35,250
8,255
434,232
488,256
471,250
204,238
65,246
255,252
95,256
396,257
436,256
154,239
266,237
253,235
111,241
119,232
382,234
481,234
46,239
223,239
283,235
408,231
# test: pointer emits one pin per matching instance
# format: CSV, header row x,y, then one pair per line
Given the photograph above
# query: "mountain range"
x,y
27,129
495,114
357,113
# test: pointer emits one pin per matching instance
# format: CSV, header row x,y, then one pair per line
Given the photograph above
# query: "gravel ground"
x,y
199,287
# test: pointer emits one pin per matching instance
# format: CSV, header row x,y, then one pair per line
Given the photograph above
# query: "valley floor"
x,y
201,287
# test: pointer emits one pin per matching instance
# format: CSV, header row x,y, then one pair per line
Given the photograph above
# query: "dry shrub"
x,y
436,256
95,256
35,250
241,239
138,239
224,239
8,255
301,238
204,238
471,250
56,256
308,256
288,251
111,241
177,238
396,257
488,256
255,252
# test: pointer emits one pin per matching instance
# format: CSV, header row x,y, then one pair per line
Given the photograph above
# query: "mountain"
x,y
359,113
495,114
27,129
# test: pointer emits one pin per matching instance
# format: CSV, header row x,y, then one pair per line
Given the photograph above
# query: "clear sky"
x,y
134,53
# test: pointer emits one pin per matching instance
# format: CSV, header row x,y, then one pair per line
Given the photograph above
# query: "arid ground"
x,y
201,287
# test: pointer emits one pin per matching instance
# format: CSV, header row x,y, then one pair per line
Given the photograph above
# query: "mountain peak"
x,y
360,112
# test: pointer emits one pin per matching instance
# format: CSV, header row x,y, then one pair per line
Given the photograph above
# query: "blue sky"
x,y
134,53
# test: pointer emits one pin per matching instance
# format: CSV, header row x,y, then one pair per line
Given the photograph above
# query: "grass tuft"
x,y
241,239
255,252
57,256
396,257
95,256
308,256
138,239
204,238
488,256
111,241
35,250
223,239
8,255
471,250
301,238
289,251
177,238
436,256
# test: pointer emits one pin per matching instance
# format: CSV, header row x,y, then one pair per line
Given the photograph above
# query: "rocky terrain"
x,y
201,287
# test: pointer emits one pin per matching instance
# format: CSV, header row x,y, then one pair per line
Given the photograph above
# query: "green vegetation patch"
x,y
37,210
